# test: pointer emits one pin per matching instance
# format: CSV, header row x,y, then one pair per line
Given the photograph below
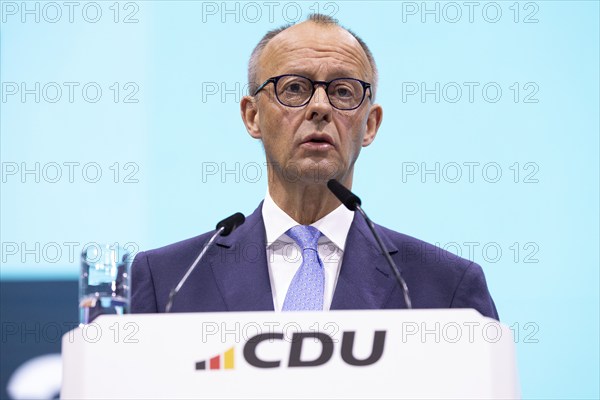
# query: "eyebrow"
x,y
330,76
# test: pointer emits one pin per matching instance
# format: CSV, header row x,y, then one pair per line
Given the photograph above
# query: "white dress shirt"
x,y
284,256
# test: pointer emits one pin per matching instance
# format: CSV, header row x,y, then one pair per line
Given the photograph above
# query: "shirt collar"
x,y
334,226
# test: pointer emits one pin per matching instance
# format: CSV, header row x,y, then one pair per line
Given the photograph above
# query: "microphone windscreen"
x,y
231,223
349,199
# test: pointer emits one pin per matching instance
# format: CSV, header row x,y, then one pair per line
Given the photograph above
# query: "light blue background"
x,y
176,52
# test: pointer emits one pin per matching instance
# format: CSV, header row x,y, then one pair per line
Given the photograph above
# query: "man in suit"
x,y
311,103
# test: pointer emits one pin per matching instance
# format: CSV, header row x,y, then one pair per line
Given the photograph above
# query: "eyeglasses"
x,y
297,91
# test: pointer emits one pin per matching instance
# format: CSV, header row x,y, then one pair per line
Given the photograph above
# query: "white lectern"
x,y
337,354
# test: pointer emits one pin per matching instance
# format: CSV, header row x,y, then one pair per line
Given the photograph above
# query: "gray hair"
x,y
319,19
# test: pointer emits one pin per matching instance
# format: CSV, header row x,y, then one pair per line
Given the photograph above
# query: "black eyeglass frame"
x,y
275,79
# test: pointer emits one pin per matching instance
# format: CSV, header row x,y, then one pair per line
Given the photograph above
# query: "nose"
x,y
319,108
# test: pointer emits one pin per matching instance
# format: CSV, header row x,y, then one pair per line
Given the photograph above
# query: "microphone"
x,y
231,223
349,199
224,228
353,203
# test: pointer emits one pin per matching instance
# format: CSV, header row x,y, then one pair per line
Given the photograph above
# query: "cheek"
x,y
351,130
279,123
278,127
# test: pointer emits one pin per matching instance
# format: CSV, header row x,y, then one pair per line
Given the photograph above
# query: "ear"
x,y
249,111
373,122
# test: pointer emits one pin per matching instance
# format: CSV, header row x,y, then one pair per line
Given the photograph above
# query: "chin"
x,y
312,171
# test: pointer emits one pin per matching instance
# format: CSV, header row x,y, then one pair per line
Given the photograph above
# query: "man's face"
x,y
315,142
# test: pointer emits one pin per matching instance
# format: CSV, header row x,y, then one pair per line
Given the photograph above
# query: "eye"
x,y
343,90
295,86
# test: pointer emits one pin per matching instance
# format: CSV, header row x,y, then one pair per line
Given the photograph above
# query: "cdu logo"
x,y
294,358
215,362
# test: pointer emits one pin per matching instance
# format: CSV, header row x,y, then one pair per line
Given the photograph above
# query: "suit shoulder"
x,y
413,250
183,247
439,278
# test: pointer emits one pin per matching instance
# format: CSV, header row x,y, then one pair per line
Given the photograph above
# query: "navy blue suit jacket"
x,y
234,274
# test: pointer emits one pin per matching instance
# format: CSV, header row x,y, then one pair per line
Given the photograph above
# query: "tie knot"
x,y
307,237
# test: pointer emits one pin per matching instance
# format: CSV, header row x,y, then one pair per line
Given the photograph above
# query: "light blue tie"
x,y
307,287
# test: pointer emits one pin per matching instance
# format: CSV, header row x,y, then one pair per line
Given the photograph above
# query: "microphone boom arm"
x,y
389,259
174,292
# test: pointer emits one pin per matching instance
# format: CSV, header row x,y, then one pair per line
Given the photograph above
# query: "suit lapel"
x,y
365,280
239,265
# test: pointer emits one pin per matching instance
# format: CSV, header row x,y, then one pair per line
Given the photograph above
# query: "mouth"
x,y
318,141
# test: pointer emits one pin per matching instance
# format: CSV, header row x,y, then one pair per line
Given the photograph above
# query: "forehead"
x,y
318,51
